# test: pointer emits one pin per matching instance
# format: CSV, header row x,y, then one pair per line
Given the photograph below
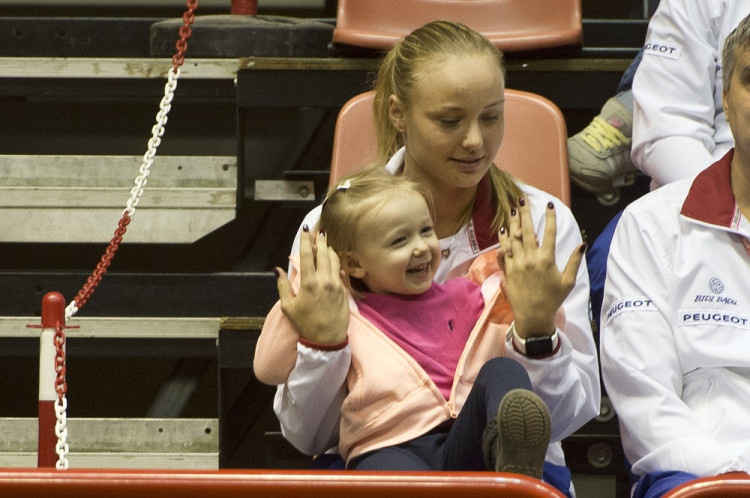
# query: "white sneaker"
x,y
599,155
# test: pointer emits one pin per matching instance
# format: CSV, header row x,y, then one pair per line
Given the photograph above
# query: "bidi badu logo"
x,y
716,286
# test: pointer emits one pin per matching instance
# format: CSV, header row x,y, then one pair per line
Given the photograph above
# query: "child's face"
x,y
397,251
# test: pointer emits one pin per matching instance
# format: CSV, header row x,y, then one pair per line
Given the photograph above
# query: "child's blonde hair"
x,y
356,197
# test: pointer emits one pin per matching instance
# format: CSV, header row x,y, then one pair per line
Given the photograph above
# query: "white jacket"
x,y
678,120
568,381
675,340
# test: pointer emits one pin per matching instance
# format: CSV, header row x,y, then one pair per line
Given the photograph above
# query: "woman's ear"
x,y
352,265
396,113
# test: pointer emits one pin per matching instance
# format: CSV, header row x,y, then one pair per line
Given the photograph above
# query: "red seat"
x,y
534,149
512,25
82,483
723,486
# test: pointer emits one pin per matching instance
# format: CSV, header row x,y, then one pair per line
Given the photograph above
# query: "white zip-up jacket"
x,y
675,340
678,120
568,381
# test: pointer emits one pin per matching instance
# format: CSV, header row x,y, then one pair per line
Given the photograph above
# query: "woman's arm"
x,y
568,380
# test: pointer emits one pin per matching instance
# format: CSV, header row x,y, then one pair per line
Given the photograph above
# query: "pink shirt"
x,y
432,327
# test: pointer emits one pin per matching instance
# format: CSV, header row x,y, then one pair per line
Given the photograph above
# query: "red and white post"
x,y
53,316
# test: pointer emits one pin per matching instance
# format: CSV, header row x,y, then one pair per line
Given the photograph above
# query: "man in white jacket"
x,y
679,127
676,312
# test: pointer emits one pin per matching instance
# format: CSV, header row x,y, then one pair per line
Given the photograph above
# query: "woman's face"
x,y
454,124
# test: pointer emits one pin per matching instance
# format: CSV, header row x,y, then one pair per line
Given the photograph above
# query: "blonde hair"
x,y
400,70
356,197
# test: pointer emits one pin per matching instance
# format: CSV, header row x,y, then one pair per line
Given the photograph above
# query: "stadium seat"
x,y
534,148
512,25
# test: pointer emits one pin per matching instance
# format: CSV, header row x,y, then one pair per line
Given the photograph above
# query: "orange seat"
x,y
512,25
118,483
534,149
722,486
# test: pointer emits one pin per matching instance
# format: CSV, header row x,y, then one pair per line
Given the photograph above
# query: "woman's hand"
x,y
534,285
320,310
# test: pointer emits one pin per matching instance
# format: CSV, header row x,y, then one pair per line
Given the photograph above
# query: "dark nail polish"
x,y
582,249
276,272
305,228
522,201
502,230
550,205
323,233
513,211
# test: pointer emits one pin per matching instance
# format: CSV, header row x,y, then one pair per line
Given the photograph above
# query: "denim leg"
x,y
626,82
463,448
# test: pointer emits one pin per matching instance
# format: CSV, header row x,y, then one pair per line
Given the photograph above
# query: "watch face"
x,y
537,346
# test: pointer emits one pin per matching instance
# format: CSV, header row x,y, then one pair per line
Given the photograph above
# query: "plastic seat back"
x,y
512,25
534,149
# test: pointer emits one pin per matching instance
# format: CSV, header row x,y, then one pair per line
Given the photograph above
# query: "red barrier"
x,y
723,486
266,483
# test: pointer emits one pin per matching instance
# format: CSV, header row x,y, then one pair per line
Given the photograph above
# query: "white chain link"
x,y
61,431
157,131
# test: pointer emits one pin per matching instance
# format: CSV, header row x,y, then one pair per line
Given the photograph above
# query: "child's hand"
x,y
320,310
534,286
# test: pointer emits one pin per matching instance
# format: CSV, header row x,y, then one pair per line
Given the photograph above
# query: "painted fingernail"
x,y
582,249
522,201
502,230
550,205
513,211
305,228
276,272
322,233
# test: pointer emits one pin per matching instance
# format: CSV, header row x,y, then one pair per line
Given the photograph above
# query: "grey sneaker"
x,y
599,155
516,441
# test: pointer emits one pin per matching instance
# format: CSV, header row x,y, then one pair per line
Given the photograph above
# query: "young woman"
x,y
439,116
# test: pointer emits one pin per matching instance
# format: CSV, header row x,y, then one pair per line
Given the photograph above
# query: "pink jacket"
x,y
391,399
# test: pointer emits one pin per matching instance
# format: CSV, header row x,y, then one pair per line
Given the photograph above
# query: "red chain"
x,y
88,288
93,281
187,18
61,386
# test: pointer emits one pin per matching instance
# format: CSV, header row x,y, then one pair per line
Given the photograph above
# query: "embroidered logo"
x,y
630,304
663,50
713,317
716,285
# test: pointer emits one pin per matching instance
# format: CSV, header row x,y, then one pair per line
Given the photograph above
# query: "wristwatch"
x,y
533,346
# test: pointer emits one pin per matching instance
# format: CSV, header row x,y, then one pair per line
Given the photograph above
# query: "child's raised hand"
x,y
534,285
320,310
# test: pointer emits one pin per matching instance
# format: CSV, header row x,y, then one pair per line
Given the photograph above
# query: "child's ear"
x,y
352,265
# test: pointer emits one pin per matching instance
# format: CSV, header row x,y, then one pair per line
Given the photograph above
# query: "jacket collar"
x,y
710,198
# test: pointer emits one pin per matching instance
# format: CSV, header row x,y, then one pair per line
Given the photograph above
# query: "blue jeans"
x,y
458,446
